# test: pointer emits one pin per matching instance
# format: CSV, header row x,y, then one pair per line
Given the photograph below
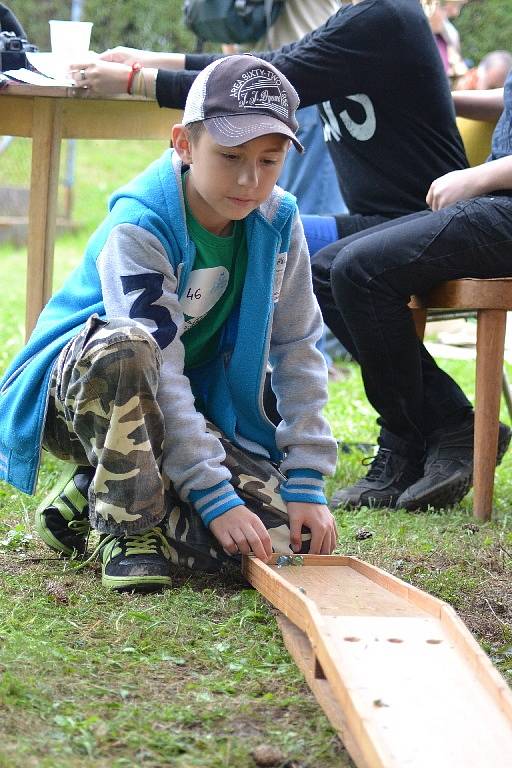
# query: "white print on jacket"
x,y
362,131
279,275
204,289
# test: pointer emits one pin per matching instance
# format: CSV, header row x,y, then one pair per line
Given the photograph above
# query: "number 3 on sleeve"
x,y
150,283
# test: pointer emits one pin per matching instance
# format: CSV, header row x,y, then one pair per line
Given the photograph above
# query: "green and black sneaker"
x,y
62,519
137,562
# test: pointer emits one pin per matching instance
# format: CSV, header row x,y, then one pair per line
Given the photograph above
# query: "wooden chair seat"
x,y
490,299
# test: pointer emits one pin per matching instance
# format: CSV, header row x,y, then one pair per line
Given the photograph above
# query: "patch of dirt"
x,y
485,609
14,563
488,611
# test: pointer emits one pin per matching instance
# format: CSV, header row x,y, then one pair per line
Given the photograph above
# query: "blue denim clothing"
x,y
319,231
502,136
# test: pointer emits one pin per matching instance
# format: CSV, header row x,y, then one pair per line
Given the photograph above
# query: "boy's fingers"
x,y
333,537
328,543
295,533
242,542
317,540
260,538
228,544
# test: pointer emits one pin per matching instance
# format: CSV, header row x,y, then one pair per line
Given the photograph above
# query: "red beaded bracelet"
x,y
136,67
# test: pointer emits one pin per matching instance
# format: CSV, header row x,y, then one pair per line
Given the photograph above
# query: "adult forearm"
x,y
160,60
465,184
494,175
479,105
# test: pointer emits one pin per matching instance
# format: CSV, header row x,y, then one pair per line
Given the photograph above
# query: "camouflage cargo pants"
x,y
103,412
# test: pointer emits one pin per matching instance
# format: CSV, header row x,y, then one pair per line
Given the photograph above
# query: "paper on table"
x,y
49,64
34,78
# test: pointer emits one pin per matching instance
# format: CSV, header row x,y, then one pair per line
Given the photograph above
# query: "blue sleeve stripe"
x,y
305,473
303,496
213,502
232,501
300,491
304,485
195,496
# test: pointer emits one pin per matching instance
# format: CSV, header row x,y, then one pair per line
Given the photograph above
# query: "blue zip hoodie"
x,y
278,319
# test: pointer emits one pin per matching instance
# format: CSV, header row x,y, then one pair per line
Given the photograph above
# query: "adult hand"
x,y
101,77
454,186
241,531
320,522
123,55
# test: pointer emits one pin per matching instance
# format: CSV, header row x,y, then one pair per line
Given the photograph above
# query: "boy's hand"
x,y
241,531
320,522
454,186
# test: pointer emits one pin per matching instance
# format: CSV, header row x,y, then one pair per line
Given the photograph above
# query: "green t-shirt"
x,y
214,287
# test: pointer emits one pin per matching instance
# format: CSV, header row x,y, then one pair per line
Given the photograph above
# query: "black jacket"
x,y
375,71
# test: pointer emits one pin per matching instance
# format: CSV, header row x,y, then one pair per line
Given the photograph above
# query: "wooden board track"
x,y
399,675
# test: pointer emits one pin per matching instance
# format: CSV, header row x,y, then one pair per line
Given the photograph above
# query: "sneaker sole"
x,y
452,491
39,523
136,584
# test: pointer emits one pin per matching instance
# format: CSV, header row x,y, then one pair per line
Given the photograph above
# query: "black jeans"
x,y
363,284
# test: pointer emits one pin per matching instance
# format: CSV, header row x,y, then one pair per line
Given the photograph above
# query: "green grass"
x,y
197,677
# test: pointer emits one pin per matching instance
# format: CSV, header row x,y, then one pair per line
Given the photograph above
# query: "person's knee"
x,y
124,350
321,263
348,268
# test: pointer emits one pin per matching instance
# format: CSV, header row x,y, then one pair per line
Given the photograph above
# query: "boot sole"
x,y
371,502
451,491
446,494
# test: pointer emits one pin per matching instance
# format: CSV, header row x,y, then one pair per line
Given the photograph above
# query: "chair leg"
x,y
490,347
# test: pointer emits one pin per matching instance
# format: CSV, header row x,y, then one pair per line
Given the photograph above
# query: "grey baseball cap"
x,y
240,98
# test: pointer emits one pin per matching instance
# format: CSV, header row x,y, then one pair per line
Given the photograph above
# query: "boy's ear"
x,y
181,143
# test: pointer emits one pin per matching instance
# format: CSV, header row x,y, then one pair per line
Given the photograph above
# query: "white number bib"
x,y
204,289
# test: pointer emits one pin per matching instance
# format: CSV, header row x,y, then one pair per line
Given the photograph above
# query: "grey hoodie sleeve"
x,y
299,372
138,281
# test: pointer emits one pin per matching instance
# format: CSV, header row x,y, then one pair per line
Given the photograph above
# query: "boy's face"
x,y
226,183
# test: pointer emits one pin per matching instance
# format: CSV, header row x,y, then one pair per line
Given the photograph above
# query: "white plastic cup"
x,y
70,39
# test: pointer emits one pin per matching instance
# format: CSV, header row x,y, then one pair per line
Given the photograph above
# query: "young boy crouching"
x,y
147,368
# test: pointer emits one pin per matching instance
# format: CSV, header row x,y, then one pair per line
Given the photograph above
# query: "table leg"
x,y
46,142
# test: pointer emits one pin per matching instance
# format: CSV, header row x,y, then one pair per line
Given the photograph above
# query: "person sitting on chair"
x,y
425,453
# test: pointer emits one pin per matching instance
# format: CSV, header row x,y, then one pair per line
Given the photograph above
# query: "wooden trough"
x,y
396,671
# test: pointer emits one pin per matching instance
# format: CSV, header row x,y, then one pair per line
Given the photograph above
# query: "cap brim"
x,y
237,129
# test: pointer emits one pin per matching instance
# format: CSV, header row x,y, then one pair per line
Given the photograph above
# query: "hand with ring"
x,y
101,78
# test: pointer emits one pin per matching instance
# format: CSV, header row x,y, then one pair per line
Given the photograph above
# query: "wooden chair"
x,y
490,300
